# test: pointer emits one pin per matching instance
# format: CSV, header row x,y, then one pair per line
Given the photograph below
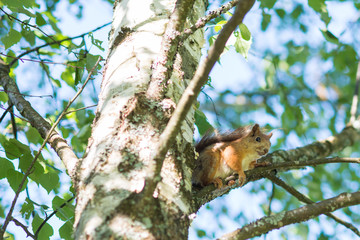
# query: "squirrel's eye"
x,y
258,139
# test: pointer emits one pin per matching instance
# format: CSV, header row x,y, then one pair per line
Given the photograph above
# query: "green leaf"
x,y
64,212
84,132
201,122
3,97
267,3
219,25
5,166
280,12
14,178
242,46
16,4
200,233
32,135
49,181
66,230
25,161
46,230
11,149
245,33
11,38
40,21
27,208
317,5
90,62
329,36
265,21
68,76
28,35
96,42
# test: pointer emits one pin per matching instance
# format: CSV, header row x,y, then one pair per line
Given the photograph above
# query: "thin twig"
x,y
295,164
56,42
52,214
192,91
28,95
2,107
41,61
271,198
25,228
28,171
355,101
6,111
79,109
301,197
25,23
276,221
202,21
164,64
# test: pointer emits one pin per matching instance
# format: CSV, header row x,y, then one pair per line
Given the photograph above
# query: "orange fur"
x,y
231,153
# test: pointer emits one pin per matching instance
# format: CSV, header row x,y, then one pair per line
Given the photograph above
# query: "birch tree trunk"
x,y
111,183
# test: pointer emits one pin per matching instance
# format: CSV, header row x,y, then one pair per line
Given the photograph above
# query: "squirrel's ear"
x,y
254,129
269,135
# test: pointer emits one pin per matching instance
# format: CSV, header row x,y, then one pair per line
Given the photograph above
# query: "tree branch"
x,y
25,23
52,214
164,64
301,197
56,42
192,91
49,136
59,144
204,20
276,221
25,228
309,155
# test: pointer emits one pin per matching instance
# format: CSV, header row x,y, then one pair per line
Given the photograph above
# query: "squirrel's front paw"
x,y
218,183
242,179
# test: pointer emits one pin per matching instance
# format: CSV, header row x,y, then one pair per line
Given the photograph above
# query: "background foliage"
x,y
290,67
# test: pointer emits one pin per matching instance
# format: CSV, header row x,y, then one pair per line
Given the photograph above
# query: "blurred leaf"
x,y
329,36
245,33
46,230
201,122
14,178
32,135
11,38
267,3
266,18
49,181
65,213
3,97
27,209
5,166
66,230
242,46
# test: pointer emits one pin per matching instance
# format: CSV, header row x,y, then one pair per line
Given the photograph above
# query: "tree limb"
x,y
276,221
164,64
25,228
52,214
59,144
204,20
309,155
49,136
301,197
56,42
192,91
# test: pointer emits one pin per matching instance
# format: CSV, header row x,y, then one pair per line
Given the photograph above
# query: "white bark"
x,y
113,173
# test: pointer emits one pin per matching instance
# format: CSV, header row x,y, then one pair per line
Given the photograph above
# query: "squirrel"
x,y
221,155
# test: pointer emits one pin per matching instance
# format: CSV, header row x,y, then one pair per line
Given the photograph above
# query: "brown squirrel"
x,y
221,155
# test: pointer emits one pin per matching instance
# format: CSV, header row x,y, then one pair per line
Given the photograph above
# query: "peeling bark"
x,y
111,199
